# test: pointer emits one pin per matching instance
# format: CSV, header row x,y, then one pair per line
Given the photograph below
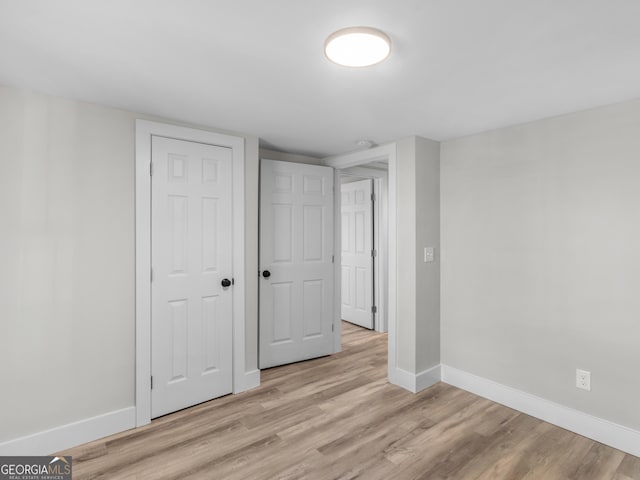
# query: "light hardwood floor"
x,y
337,418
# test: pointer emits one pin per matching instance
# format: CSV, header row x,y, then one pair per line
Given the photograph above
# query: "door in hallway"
x,y
357,252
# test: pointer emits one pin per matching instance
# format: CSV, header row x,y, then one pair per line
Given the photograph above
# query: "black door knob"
x,y
226,282
266,274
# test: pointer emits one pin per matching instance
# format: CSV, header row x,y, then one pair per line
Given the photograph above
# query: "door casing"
x,y
380,240
382,153
144,132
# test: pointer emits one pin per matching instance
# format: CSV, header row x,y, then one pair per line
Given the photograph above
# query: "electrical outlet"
x,y
583,379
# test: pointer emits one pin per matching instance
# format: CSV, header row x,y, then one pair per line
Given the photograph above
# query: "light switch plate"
x,y
428,254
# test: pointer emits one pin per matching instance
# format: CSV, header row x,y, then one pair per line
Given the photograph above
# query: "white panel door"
x,y
191,245
357,252
296,260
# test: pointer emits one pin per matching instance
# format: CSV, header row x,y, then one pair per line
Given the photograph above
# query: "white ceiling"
x,y
257,66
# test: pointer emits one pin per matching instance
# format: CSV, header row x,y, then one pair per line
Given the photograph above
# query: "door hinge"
x,y
373,197
374,253
333,327
152,382
374,309
151,274
333,258
151,169
233,281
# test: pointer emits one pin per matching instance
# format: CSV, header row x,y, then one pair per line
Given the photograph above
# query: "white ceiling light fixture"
x,y
357,46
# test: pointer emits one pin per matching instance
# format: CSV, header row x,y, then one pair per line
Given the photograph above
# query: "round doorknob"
x,y
226,282
266,274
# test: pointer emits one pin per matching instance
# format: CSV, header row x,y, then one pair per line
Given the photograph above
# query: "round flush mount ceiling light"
x,y
357,46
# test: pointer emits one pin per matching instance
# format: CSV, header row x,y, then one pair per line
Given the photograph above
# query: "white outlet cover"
x,y
583,379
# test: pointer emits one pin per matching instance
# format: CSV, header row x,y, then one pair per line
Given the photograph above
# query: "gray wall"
x,y
406,254
427,235
541,258
67,260
418,222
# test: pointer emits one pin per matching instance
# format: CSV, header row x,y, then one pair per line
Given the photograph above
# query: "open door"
x,y
296,262
357,253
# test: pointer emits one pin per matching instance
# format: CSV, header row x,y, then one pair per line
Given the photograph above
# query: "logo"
x,y
35,468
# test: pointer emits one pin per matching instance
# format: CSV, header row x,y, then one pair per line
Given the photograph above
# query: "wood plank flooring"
x,y
337,418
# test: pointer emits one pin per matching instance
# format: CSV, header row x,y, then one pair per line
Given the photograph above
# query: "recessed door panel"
x,y
346,285
346,232
283,183
313,237
346,198
282,233
313,185
211,337
179,227
282,316
210,170
178,168
313,299
361,288
178,316
360,233
210,221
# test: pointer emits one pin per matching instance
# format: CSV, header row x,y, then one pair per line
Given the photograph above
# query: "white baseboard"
x,y
428,377
598,429
83,431
415,382
250,380
71,435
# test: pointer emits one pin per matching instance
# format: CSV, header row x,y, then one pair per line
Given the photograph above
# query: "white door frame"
x,y
144,131
380,219
382,153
